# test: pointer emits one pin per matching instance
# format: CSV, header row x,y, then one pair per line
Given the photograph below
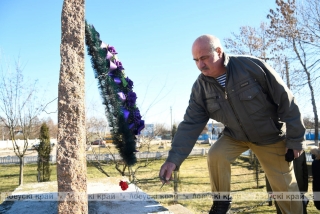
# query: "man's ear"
x,y
219,51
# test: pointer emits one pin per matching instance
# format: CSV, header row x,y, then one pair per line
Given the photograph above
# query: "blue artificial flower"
x,y
136,116
117,80
130,83
131,98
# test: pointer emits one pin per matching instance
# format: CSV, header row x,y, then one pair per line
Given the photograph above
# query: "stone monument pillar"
x,y
71,154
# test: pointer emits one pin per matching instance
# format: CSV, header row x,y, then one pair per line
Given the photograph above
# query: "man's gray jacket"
x,y
253,107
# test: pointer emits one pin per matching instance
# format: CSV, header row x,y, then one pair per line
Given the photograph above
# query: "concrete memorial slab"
x,y
104,197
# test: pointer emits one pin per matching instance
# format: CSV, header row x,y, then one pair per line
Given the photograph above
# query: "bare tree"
x,y
250,41
161,130
308,122
4,131
259,42
298,25
19,108
96,128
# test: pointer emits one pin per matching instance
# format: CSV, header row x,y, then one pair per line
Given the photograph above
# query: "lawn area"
x,y
152,147
193,176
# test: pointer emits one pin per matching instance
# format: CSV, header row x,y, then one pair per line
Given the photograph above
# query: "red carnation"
x,y
124,185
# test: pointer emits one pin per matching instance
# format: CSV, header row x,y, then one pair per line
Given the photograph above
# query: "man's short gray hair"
x,y
212,40
214,43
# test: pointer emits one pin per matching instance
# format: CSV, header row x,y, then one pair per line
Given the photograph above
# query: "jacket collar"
x,y
226,59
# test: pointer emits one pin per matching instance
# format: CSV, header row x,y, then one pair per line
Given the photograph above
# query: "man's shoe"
x,y
220,207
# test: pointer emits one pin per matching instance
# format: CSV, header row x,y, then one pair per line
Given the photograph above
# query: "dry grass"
x,y
193,179
153,147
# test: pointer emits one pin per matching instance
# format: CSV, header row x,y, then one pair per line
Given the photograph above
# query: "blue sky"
x,y
153,40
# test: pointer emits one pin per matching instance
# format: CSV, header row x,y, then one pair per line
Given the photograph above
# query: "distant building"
x,y
310,135
214,129
148,130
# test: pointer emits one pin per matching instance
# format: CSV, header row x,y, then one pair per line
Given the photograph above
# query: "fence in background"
x,y
109,157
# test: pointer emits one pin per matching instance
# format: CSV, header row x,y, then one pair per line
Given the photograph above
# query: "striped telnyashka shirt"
x,y
222,79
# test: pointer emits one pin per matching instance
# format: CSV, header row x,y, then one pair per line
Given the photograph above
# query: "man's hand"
x,y
165,173
296,153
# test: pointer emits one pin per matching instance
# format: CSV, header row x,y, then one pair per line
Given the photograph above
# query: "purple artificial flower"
x,y
112,66
117,80
122,96
109,55
140,126
125,113
119,65
112,50
136,116
131,125
130,83
131,98
110,73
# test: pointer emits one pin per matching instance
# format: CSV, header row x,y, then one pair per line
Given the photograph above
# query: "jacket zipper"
x,y
235,113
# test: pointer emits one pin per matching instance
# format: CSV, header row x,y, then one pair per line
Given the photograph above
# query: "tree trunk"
x,y
313,101
287,72
314,106
21,162
316,119
71,154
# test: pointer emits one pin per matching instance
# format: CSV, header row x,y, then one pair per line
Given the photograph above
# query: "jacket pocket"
x,y
252,100
215,111
266,127
212,106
